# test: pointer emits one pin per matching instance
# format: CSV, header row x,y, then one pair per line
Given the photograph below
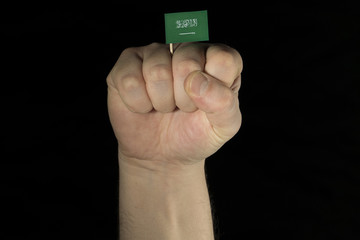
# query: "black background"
x,y
292,172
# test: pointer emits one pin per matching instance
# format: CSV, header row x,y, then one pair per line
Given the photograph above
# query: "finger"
x,y
224,63
158,77
187,58
217,100
126,77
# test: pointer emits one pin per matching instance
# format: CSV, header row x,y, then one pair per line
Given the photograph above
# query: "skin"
x,y
169,113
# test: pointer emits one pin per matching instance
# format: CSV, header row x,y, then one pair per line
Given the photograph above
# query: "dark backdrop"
x,y
292,172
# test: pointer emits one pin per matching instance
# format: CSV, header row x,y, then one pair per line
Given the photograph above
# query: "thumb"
x,y
218,101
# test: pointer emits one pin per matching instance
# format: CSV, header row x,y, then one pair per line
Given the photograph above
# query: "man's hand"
x,y
176,109
169,113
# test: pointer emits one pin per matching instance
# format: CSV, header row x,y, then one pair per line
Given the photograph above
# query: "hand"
x,y
176,109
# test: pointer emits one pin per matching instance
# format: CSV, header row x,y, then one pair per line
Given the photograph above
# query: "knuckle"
x,y
130,83
159,72
184,67
127,51
154,45
226,56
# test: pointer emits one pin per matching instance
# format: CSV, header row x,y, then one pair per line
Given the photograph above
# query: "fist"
x,y
176,109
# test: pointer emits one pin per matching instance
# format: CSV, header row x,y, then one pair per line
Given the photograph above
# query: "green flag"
x,y
186,27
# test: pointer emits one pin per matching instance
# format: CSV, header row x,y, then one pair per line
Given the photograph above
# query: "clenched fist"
x,y
174,110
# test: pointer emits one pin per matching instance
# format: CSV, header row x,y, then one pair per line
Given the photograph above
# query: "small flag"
x,y
186,27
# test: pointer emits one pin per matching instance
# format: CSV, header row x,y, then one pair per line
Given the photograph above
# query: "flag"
x,y
186,27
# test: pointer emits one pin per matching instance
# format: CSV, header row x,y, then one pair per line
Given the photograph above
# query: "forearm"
x,y
163,202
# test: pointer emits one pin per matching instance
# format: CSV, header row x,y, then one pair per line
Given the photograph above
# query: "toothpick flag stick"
x,y
171,48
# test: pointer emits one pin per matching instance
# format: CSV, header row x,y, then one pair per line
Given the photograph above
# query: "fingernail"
x,y
199,83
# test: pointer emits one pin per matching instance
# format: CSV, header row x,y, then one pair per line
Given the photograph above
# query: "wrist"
x,y
159,167
166,200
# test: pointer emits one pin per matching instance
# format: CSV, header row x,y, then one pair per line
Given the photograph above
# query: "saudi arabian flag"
x,y
186,27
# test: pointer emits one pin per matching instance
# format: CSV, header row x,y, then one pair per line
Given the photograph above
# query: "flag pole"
x,y
171,49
